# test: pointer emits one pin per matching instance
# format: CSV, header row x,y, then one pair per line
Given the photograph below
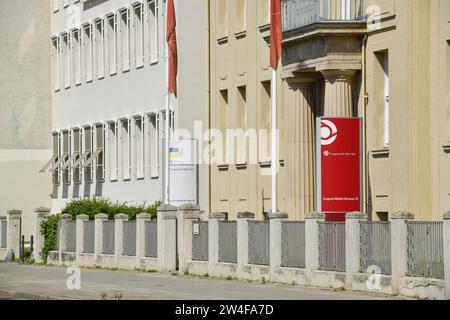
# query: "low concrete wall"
x,y
3,253
422,288
328,279
372,283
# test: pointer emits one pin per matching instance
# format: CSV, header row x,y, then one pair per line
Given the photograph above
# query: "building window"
x,y
66,59
66,151
55,63
153,30
125,138
139,34
100,48
222,18
99,153
345,9
66,3
125,38
241,15
265,122
154,144
382,88
88,154
223,124
76,141
76,56
241,125
56,156
88,52
139,154
113,154
112,43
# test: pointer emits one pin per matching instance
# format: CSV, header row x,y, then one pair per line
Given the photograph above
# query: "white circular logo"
x,y
328,132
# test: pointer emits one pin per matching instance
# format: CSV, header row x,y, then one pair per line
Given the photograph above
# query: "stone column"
x,y
338,100
399,247
80,236
62,235
276,219
118,236
141,219
187,213
98,235
352,245
41,215
446,245
312,243
213,239
242,240
13,230
167,237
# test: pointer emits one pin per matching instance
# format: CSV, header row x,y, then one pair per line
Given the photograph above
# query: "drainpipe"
x,y
366,155
208,89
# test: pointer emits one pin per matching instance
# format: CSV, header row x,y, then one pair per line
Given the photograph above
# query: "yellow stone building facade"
x,y
386,61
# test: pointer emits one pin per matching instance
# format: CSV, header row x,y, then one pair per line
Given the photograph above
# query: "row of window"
x,y
118,149
100,45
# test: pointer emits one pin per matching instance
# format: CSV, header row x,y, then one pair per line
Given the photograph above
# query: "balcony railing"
x,y
300,13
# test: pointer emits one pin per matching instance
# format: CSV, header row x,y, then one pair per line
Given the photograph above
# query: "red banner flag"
x,y
276,34
172,44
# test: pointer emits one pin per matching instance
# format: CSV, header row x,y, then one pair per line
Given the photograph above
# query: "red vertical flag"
x,y
172,44
275,33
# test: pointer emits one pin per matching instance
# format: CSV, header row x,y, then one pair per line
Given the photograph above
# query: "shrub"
x,y
49,229
90,207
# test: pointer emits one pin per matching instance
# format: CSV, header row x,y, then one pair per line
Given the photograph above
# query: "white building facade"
x,y
109,97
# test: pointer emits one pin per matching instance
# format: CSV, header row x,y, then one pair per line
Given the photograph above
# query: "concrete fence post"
x,y
62,235
312,243
80,220
446,245
118,236
276,219
167,237
399,247
41,215
352,245
98,235
13,230
187,214
213,239
3,237
141,219
242,240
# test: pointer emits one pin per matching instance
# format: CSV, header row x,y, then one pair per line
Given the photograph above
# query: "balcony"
x,y
301,13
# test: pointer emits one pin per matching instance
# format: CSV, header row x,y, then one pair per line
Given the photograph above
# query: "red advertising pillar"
x,y
339,167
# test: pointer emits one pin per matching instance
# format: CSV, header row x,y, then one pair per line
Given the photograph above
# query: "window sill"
x,y
139,66
112,73
153,62
126,70
101,77
383,153
223,167
446,148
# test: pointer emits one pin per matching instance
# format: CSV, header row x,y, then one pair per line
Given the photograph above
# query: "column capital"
x,y
338,75
166,207
246,215
218,215
356,216
42,210
402,215
278,215
82,217
143,216
14,212
121,216
314,216
101,216
66,216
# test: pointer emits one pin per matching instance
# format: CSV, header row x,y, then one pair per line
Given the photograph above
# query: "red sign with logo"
x,y
340,167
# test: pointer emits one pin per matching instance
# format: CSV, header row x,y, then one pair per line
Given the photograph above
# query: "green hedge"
x,y
90,207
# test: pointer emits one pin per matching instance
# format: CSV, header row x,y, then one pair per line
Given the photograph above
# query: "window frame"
x,y
153,30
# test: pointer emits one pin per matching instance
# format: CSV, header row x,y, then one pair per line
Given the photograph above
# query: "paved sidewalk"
x,y
45,282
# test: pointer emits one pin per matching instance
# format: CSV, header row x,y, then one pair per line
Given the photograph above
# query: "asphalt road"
x,y
45,282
